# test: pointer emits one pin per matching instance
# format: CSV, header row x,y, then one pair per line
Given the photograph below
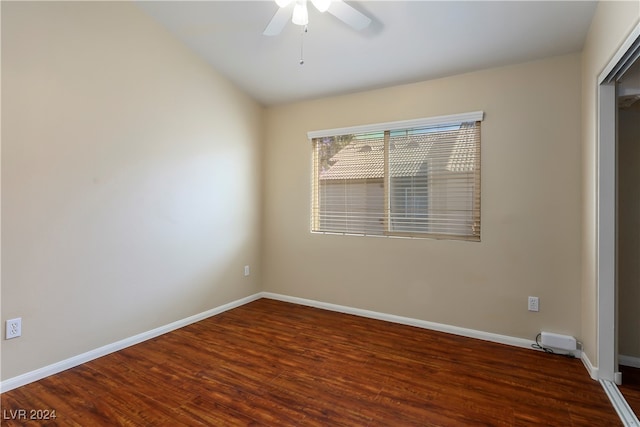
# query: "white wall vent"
x,y
561,342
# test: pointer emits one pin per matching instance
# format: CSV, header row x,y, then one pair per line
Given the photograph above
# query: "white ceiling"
x,y
408,41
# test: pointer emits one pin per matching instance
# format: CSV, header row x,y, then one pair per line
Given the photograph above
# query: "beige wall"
x,y
130,180
612,23
530,207
629,232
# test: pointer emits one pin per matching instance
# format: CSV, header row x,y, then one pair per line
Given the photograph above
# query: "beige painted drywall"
x,y
629,232
611,24
530,207
130,180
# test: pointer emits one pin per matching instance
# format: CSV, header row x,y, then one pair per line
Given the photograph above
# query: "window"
x,y
418,178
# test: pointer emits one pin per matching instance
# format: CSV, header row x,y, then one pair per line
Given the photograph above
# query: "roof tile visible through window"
x,y
463,157
357,162
364,158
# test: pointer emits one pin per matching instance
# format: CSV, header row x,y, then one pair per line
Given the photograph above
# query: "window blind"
x,y
422,181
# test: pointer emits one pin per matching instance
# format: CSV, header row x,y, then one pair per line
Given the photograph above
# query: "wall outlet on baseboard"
x,y
534,304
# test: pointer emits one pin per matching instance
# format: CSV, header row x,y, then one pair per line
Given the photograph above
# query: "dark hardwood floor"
x,y
278,364
630,387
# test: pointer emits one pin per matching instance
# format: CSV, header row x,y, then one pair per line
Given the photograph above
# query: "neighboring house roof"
x,y
361,159
408,156
465,156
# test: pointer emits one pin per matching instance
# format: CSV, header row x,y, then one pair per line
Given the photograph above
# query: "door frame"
x,y
606,199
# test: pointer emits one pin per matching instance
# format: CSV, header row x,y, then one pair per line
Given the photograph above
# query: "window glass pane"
x,y
422,182
431,176
350,185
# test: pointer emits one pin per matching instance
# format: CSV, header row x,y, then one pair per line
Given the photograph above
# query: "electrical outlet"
x,y
14,328
534,304
246,270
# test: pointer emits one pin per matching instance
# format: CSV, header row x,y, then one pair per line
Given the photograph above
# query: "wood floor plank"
x,y
275,363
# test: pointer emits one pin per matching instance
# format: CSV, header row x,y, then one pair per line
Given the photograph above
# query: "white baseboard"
x,y
593,371
632,361
455,330
63,365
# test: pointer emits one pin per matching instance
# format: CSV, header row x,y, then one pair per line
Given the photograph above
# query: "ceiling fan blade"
x,y
349,15
278,22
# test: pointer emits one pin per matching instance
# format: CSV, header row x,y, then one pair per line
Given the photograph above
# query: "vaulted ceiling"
x,y
407,41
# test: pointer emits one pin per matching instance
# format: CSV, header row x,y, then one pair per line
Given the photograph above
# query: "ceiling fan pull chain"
x,y
304,30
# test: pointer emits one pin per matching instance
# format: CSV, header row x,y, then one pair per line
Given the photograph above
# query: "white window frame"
x,y
452,119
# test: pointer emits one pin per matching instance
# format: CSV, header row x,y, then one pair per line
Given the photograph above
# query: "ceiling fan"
x,y
300,15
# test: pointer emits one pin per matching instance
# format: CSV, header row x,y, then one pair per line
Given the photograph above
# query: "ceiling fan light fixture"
x,y
321,5
300,14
